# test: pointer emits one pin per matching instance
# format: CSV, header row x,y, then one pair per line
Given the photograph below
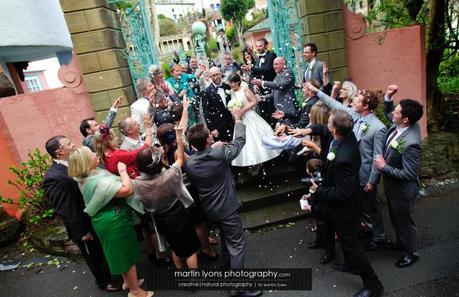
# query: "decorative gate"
x,y
286,33
140,50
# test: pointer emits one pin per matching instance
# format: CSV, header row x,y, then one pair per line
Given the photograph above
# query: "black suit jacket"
x,y
340,191
304,113
265,71
67,200
216,114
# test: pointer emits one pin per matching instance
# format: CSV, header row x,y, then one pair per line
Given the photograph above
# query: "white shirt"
x,y
221,92
138,109
307,73
62,162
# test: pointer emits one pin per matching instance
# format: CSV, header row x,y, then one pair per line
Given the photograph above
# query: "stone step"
x,y
286,211
270,191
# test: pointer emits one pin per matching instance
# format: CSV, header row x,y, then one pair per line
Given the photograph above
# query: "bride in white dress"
x,y
253,152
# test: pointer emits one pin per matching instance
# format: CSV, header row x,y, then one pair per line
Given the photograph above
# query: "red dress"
x,y
126,157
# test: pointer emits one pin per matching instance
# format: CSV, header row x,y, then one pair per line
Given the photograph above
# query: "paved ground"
x,y
436,274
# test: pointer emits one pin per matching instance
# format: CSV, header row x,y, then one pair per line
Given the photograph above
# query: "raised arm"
x,y
110,117
126,184
180,152
388,101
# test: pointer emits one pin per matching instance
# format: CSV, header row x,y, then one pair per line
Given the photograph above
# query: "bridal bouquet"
x,y
234,104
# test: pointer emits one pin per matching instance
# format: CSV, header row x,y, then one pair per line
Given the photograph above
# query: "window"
x,y
33,83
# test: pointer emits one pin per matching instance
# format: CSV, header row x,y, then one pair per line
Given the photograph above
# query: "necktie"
x,y
357,129
389,140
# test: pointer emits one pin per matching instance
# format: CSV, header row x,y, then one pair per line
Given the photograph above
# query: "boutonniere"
x,y
398,145
364,128
227,92
176,85
331,155
262,60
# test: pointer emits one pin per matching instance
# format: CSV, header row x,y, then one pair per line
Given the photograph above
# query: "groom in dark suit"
x,y
219,120
68,202
340,194
263,69
399,165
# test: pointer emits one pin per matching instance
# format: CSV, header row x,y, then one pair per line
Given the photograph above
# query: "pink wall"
x,y
252,37
395,56
28,120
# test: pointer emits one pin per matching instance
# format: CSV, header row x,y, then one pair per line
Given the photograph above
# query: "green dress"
x,y
111,219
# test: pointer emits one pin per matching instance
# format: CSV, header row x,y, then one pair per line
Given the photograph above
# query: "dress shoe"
x,y
393,246
406,261
245,293
327,258
111,287
315,245
365,292
373,245
343,268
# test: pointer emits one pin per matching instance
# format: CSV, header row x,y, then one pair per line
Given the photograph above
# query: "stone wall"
x,y
98,43
323,24
440,159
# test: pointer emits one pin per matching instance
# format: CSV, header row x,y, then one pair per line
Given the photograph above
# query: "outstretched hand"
x,y
311,87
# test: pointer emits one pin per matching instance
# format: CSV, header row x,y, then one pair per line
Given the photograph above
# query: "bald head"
x,y
279,64
216,75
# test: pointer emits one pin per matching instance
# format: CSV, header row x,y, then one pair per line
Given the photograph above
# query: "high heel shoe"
x,y
149,294
139,281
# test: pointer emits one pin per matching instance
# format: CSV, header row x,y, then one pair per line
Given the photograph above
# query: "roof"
x,y
261,26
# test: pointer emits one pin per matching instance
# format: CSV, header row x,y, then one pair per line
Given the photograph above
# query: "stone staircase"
x,y
271,197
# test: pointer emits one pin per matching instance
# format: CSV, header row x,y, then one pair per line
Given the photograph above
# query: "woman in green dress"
x,y
110,217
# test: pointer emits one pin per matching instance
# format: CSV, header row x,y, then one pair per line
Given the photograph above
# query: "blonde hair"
x,y
103,143
319,114
80,161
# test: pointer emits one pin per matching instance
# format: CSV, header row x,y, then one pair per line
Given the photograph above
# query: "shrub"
x,y
29,181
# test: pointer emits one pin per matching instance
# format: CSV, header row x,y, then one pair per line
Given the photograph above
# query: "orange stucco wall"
x,y
395,56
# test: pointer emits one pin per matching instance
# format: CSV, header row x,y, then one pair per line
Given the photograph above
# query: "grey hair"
x,y
153,69
141,84
353,91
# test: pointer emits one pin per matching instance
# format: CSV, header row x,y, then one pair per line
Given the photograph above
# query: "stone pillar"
x,y
98,43
323,24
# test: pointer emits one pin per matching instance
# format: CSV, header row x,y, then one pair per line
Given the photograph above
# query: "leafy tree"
x,y
235,11
167,26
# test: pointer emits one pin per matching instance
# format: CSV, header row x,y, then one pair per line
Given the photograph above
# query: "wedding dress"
x,y
253,151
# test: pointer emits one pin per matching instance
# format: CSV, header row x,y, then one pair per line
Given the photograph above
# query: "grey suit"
x,y
371,142
283,94
210,171
401,183
315,73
